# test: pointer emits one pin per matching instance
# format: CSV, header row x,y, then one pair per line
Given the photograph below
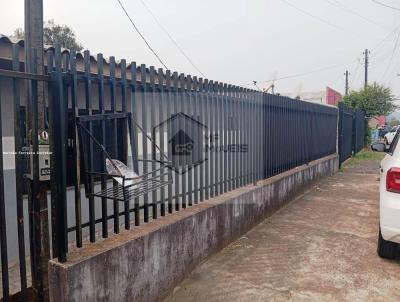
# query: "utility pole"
x,y
347,82
366,62
37,190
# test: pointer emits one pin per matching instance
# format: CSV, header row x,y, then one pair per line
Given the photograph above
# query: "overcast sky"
x,y
238,41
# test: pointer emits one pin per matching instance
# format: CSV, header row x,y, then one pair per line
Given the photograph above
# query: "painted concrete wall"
x,y
145,263
332,96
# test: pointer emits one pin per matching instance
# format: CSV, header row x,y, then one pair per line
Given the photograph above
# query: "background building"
x,y
329,96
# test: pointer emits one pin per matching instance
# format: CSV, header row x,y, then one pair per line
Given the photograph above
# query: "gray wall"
x,y
145,263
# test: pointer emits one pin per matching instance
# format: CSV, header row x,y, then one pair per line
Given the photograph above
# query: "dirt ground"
x,y
321,247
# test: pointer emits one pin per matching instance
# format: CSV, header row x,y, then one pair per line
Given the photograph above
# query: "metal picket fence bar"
x,y
351,131
359,130
21,87
239,135
219,137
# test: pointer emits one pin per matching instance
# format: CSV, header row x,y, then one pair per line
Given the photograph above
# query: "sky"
x,y
241,41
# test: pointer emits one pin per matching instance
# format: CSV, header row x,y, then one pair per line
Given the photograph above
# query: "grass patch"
x,y
365,155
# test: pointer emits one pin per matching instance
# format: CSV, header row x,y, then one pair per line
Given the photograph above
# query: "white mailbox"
x,y
43,156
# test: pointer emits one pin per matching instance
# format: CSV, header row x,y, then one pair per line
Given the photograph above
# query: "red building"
x,y
332,96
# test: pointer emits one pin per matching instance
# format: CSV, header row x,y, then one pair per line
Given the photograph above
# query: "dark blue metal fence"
x,y
236,136
220,137
351,131
296,133
359,130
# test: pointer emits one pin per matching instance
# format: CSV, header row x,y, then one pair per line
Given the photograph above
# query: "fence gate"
x,y
359,130
345,144
351,130
24,255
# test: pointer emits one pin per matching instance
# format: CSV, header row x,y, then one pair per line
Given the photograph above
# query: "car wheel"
x,y
386,249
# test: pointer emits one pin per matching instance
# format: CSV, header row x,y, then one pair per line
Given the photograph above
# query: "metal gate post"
x,y
340,133
355,132
58,145
37,194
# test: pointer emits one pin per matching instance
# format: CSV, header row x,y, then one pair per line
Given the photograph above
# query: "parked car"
x,y
388,138
389,199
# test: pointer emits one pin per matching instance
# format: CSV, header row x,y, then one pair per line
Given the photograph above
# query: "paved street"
x,y
321,247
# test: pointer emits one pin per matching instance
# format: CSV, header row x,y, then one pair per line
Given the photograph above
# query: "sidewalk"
x,y
322,247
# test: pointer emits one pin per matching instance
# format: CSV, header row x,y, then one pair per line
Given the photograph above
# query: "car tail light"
x,y
393,180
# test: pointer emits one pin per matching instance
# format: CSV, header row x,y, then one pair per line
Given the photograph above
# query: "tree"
x,y
55,34
375,100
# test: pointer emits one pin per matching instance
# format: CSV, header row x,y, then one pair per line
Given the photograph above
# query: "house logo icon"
x,y
182,144
186,140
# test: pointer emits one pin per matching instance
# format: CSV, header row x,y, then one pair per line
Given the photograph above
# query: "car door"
x,y
389,200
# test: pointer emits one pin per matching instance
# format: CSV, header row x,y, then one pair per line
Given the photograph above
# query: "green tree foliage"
x,y
53,34
375,100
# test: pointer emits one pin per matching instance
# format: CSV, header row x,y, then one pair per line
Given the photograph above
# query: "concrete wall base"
x,y
147,262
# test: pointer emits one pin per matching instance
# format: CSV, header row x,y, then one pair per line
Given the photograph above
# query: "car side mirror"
x,y
378,147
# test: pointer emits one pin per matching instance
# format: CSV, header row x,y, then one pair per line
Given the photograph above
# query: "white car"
x,y
389,199
388,138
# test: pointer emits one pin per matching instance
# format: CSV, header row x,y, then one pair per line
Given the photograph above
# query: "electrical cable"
x,y
322,20
391,57
314,16
330,67
299,74
141,35
384,39
171,38
355,72
351,11
386,5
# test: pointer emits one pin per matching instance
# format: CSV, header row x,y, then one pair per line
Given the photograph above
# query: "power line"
x,y
392,56
385,38
140,34
171,38
321,19
313,16
355,71
351,11
382,58
386,5
299,74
